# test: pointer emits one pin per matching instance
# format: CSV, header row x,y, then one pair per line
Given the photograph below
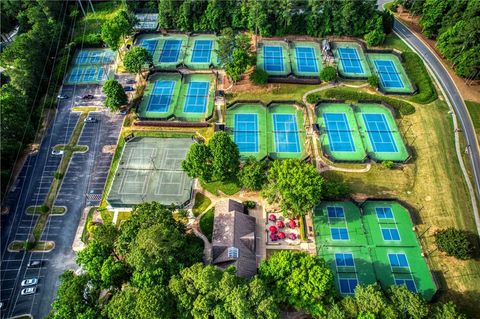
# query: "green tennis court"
x,y
201,52
306,58
352,241
168,51
273,57
350,59
150,170
339,135
380,134
90,66
160,96
391,73
197,97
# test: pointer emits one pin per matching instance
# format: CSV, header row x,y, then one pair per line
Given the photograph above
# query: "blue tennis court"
x,y
273,58
398,260
197,96
75,75
335,212
347,285
82,57
350,60
161,96
379,133
338,132
339,233
390,233
149,45
384,212
388,73
100,74
170,51
306,60
245,133
202,51
286,133
344,260
89,74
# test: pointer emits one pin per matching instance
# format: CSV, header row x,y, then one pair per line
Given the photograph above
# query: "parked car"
x,y
128,88
131,81
28,291
88,97
2,305
57,152
62,97
29,282
90,119
35,263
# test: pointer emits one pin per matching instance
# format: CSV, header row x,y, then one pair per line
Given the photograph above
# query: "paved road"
x,y
451,93
31,189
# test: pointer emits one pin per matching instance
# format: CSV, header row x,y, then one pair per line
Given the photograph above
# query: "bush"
x,y
58,175
253,174
388,164
250,204
373,81
418,74
328,74
29,245
259,77
375,37
44,209
454,243
404,108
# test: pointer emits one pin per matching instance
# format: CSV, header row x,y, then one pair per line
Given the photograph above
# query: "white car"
x,y
55,152
28,291
29,282
62,97
90,119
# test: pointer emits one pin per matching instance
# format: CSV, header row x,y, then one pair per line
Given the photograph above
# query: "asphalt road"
x,y
31,189
452,94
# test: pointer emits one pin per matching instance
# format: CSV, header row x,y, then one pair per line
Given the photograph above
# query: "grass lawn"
x,y
122,216
474,110
85,234
433,185
206,223
228,187
201,203
271,92
56,210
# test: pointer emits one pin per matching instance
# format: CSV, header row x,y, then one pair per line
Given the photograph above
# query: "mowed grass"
x,y
272,92
201,204
206,223
228,187
474,110
434,186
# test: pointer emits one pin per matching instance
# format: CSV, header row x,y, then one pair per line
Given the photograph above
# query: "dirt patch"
x,y
109,149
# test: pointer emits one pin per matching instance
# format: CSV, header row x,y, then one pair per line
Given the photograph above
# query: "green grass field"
x,y
474,110
201,203
206,223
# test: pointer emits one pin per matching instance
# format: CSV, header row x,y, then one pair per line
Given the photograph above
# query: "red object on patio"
x,y
292,236
273,229
292,223
280,224
281,235
273,237
272,217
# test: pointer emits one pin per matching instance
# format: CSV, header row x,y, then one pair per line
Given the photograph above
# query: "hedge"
x,y
404,108
418,74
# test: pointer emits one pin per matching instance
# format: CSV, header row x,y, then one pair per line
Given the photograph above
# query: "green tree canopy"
x,y
407,303
328,74
115,95
296,185
253,174
136,58
454,242
198,162
234,53
259,76
116,28
303,281
225,156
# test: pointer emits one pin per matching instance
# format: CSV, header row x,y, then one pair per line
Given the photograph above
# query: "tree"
x,y
113,273
259,76
303,281
375,37
116,28
253,174
370,299
115,95
92,257
234,53
295,184
335,188
454,243
198,162
328,74
166,7
135,59
123,304
155,303
407,303
225,156
447,310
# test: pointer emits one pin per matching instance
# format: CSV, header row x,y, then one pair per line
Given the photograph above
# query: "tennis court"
x,y
273,57
246,132
339,135
389,69
168,51
149,44
350,239
150,170
285,131
351,60
201,52
306,58
90,66
380,133
160,96
197,97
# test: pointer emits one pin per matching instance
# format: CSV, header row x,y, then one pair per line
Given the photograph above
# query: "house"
x,y
233,239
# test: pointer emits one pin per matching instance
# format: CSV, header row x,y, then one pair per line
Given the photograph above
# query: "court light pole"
x,y
81,7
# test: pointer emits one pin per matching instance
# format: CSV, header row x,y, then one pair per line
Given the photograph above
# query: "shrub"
x,y
454,243
58,175
253,174
44,209
250,204
259,77
375,37
418,74
29,245
328,74
373,81
388,164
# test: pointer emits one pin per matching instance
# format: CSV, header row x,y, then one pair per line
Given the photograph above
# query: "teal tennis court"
x,y
245,133
306,59
170,51
94,57
388,74
202,51
379,133
286,133
86,75
338,132
272,58
197,96
350,60
150,45
161,96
